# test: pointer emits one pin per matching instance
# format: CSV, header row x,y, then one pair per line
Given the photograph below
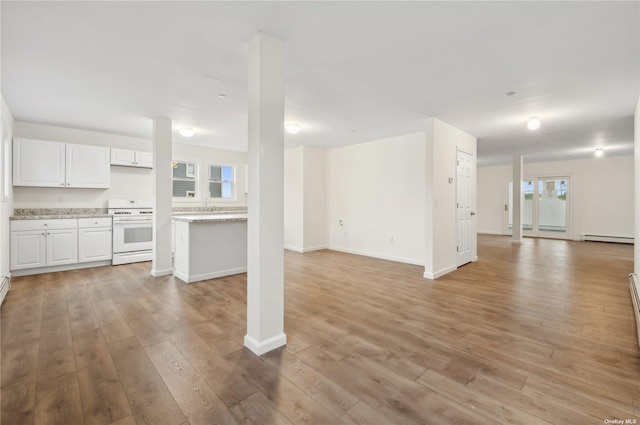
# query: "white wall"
x,y
442,143
293,200
126,182
377,189
601,192
6,207
304,199
314,180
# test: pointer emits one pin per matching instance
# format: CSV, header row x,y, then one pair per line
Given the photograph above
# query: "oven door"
x,y
132,235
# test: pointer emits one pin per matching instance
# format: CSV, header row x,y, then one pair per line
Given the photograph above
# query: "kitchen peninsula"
x,y
210,246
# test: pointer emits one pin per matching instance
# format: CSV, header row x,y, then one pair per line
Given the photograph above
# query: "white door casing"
x,y
464,205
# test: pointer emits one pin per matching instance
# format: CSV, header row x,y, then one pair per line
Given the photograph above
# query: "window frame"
x,y
196,180
234,182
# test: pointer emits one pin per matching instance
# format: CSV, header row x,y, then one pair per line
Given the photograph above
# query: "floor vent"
x,y
601,238
635,297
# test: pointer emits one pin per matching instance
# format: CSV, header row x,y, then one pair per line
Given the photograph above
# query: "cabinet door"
x,y
27,249
38,163
88,166
144,159
94,244
62,247
123,157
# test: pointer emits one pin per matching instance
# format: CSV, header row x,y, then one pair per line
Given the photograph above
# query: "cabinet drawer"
x,y
62,223
84,223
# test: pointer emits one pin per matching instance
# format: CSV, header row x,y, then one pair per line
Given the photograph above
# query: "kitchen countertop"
x,y
56,213
199,214
211,218
52,217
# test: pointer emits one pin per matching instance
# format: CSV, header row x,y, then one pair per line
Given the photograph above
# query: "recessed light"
x,y
187,132
599,152
222,96
510,93
533,124
293,128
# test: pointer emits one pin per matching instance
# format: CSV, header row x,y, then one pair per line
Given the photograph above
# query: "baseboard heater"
x,y
5,285
601,238
635,297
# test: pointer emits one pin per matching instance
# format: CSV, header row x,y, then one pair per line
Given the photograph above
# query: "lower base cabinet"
x,y
60,242
62,247
28,249
94,244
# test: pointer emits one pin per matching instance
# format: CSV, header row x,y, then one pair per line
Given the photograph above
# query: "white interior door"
x,y
464,213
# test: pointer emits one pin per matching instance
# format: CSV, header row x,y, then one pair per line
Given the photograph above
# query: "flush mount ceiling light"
x,y
293,128
533,124
222,96
187,132
510,93
599,152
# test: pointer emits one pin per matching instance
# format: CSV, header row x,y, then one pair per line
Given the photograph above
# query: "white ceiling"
x,y
354,71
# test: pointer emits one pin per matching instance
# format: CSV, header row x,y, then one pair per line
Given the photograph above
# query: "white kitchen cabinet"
x,y
53,164
87,166
38,163
62,247
43,243
129,158
95,239
27,249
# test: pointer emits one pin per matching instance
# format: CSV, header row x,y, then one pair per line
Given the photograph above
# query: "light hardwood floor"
x,y
532,334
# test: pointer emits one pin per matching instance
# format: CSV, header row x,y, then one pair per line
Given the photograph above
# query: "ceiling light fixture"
x,y
293,128
222,96
533,124
187,132
510,93
599,152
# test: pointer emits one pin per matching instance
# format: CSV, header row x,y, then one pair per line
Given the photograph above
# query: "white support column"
x,y
517,199
265,251
161,265
636,189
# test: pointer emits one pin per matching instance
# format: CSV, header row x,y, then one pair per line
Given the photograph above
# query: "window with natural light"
x,y
185,179
221,181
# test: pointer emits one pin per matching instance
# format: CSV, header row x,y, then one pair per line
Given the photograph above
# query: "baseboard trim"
x,y
314,248
303,250
439,273
490,233
375,255
160,273
206,276
260,348
65,267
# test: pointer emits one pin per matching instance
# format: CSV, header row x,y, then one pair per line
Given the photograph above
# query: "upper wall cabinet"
x,y
130,158
53,164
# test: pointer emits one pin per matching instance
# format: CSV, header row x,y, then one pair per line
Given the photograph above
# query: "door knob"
x,y
473,213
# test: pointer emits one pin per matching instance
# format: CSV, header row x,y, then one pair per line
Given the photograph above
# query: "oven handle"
x,y
134,222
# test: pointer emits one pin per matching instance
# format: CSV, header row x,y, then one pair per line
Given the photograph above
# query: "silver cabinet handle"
x,y
61,184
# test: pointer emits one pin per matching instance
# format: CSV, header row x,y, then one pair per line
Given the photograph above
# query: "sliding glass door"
x,y
545,207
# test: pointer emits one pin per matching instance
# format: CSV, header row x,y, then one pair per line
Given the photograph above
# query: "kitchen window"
x,y
222,181
185,179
